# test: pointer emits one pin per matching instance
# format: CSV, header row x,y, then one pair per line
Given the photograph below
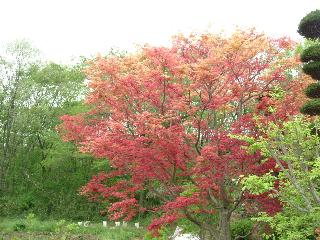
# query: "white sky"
x,y
65,28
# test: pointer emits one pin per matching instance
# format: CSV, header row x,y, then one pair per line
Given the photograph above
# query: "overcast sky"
x,y
65,28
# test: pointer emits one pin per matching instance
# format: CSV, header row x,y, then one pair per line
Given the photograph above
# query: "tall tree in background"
x,y
163,117
309,28
38,172
14,66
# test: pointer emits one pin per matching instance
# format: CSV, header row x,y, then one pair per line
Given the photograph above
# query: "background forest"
x,y
40,173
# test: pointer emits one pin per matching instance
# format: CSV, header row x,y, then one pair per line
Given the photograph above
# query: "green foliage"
x,y
311,107
241,229
312,69
277,93
309,26
63,226
38,172
296,151
19,227
164,234
189,189
292,225
311,53
259,184
313,90
52,188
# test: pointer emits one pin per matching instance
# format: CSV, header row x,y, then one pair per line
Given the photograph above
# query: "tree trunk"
x,y
224,224
2,182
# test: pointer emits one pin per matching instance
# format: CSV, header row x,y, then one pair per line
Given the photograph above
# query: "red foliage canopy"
x,y
162,117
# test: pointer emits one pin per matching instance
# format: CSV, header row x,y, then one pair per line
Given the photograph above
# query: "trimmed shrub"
x,y
311,53
312,69
312,107
313,90
309,26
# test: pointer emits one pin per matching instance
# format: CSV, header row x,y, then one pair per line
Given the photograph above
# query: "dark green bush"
x,y
312,69
314,130
312,107
311,53
309,26
313,90
241,229
19,227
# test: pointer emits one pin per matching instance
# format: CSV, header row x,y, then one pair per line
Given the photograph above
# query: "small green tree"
x,y
296,149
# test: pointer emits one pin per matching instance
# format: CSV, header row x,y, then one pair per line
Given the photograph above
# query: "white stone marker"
x,y
80,223
104,223
124,224
137,225
178,235
117,224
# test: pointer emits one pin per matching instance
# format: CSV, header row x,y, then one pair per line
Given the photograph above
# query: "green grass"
x,y
32,228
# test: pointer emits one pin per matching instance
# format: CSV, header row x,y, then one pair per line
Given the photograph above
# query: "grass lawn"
x,y
33,229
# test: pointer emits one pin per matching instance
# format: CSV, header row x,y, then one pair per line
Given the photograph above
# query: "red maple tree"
x,y
162,117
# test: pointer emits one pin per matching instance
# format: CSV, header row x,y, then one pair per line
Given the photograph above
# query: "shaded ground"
x,y
45,236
